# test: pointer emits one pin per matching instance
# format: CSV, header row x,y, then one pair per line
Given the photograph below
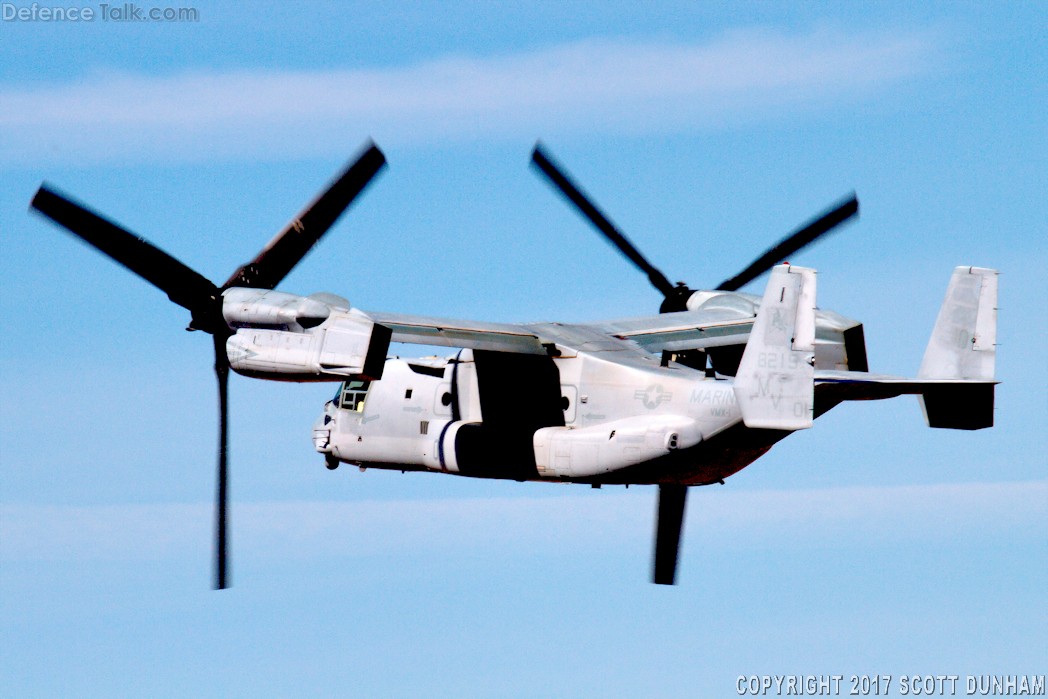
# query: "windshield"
x,y
352,395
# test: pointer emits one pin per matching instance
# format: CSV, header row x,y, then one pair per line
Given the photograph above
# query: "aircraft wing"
x,y
686,330
445,332
672,332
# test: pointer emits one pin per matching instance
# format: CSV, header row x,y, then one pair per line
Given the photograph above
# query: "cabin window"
x,y
353,395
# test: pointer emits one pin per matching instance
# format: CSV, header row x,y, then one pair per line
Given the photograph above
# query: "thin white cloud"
x,y
595,85
717,517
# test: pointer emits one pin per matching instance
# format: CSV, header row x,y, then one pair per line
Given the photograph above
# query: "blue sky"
x,y
869,544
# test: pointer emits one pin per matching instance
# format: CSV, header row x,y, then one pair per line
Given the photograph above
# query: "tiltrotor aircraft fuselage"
x,y
685,397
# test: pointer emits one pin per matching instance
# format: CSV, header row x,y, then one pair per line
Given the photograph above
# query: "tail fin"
x,y
963,346
963,343
775,385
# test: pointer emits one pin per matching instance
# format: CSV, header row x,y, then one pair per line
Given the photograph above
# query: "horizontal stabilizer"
x,y
960,404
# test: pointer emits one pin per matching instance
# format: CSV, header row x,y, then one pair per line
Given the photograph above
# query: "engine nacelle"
x,y
591,451
349,345
272,309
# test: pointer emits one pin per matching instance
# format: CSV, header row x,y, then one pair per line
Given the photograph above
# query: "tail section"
x,y
956,381
963,346
775,385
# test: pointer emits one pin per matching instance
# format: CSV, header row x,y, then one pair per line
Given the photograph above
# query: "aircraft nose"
x,y
322,429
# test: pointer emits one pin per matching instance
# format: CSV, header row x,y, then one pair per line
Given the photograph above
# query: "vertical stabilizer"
x,y
775,384
963,346
964,342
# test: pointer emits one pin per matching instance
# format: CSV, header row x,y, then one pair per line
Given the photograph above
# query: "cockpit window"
x,y
353,394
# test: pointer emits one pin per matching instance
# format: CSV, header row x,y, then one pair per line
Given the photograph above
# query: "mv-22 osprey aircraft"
x,y
686,397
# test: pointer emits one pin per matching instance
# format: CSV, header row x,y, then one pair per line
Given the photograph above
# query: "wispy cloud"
x,y
596,85
598,521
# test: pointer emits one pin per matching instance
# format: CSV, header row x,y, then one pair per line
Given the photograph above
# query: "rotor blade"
x,y
667,533
794,242
289,246
556,175
222,492
182,285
